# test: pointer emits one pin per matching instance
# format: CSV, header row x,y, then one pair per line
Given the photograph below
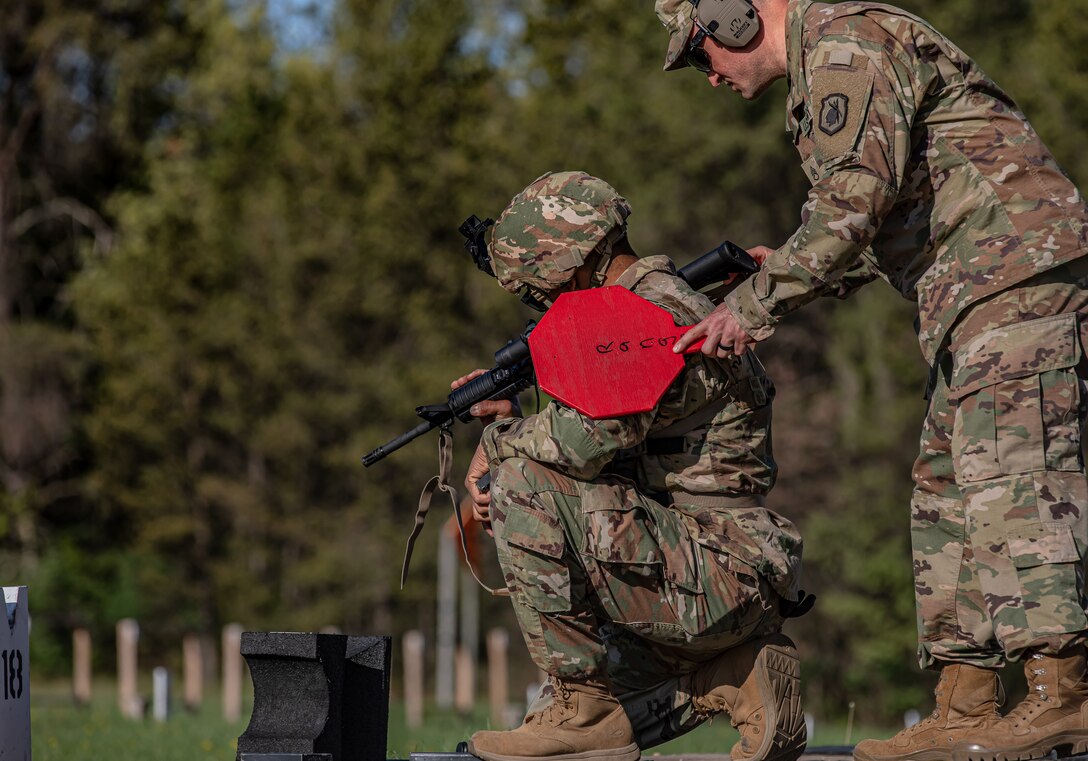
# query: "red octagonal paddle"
x,y
607,352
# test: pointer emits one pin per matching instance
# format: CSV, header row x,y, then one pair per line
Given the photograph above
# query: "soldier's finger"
x,y
712,344
690,337
482,513
466,378
714,347
495,408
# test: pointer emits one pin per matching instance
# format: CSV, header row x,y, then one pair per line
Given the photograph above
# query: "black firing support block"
x,y
316,697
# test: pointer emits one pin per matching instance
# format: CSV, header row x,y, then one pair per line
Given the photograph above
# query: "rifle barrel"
x,y
392,446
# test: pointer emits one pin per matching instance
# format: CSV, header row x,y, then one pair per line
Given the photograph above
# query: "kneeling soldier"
x,y
649,580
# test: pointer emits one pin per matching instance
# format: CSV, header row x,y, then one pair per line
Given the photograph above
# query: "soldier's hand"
x,y
759,253
481,501
724,336
490,410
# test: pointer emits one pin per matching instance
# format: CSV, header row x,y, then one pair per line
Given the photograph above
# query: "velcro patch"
x,y
840,57
843,57
840,101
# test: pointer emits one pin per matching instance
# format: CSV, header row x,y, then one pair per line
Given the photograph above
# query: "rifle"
x,y
513,370
512,374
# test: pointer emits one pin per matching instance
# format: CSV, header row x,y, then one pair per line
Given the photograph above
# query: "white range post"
x,y
15,674
160,693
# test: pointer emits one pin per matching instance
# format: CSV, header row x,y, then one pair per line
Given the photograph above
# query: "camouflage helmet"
x,y
551,227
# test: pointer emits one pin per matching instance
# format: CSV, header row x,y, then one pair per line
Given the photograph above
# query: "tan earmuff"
x,y
733,23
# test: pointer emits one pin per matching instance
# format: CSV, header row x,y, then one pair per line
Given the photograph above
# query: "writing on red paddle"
x,y
607,352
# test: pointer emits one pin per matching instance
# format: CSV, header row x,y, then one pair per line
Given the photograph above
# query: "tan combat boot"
x,y
966,709
758,684
584,721
1054,715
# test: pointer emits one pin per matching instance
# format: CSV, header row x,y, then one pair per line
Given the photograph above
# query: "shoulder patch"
x,y
840,102
834,109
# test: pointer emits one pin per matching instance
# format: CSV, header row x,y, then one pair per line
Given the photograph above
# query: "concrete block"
x,y
316,697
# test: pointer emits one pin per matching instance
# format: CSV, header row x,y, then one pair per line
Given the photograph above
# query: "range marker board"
x,y
15,675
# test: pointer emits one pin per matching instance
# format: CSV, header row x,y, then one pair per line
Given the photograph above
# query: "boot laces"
x,y
703,708
934,716
924,724
563,703
1036,699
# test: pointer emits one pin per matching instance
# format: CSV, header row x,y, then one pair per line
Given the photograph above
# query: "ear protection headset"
x,y
733,23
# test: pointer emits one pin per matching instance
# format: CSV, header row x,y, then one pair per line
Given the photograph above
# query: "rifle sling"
x,y
441,482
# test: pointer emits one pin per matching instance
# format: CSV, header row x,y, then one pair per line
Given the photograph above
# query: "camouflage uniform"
x,y
925,173
644,565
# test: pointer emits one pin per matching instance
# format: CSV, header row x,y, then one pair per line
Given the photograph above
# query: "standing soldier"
x,y
925,173
649,580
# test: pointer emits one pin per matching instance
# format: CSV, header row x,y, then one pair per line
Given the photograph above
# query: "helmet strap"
x,y
603,254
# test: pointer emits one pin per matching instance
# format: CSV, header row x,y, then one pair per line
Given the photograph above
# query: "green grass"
x,y
62,731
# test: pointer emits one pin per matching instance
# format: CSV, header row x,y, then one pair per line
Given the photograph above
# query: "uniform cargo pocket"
x,y
1044,543
536,544
650,539
1018,400
1047,564
641,568
718,530
1015,351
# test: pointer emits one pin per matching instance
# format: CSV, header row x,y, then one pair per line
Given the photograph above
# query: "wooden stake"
x,y
81,666
129,701
498,647
192,671
412,646
232,672
446,633
464,682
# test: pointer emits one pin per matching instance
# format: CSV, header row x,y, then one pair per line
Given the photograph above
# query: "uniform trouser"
x,y
998,517
607,583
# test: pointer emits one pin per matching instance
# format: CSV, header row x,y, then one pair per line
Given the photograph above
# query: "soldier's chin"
x,y
755,91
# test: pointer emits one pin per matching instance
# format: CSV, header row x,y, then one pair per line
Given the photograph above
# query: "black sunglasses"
x,y
694,55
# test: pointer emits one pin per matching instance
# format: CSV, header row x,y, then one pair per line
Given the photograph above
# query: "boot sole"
x,y
1071,743
779,680
626,753
928,754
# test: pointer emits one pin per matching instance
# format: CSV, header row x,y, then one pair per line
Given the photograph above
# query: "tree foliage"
x,y
231,267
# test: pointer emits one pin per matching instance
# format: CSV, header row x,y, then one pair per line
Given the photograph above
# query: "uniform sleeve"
x,y
861,122
565,439
862,273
